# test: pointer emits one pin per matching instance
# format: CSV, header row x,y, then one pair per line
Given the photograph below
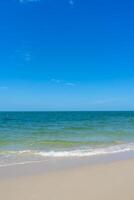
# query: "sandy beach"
x,y
97,182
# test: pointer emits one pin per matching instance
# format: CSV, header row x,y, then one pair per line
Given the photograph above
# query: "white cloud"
x,y
28,1
105,101
71,2
61,82
70,84
53,80
27,56
22,55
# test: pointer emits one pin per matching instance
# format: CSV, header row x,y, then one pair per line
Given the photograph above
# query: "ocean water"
x,y
36,136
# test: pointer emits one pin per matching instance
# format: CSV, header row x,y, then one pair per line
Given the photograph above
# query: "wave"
x,y
88,152
10,158
73,153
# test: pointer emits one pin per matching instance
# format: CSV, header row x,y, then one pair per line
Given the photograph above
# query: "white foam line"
x,y
88,152
21,163
78,154
72,153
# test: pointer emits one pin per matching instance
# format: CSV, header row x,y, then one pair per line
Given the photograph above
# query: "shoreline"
x,y
60,164
107,181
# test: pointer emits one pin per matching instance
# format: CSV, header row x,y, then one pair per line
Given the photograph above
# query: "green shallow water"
x,y
33,136
49,130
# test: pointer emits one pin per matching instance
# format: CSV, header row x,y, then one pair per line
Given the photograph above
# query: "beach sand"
x,y
96,182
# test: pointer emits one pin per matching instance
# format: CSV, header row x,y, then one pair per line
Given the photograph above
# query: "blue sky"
x,y
66,55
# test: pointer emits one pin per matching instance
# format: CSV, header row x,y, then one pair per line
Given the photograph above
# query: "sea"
x,y
27,137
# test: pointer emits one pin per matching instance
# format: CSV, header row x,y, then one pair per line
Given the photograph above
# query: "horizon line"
x,y
66,110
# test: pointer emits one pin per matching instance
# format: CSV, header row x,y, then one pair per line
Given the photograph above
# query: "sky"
x,y
66,55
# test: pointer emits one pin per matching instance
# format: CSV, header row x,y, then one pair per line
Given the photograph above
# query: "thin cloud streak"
x,y
28,1
3,87
61,82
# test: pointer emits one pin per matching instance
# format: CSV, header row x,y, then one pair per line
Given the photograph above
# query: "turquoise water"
x,y
31,136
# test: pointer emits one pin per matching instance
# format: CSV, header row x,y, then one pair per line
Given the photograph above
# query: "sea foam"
x,y
75,153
